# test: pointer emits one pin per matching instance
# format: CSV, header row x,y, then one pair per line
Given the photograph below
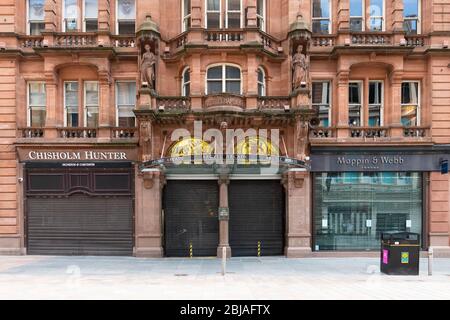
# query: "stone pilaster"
x,y
196,14
396,112
251,14
298,213
439,219
53,119
342,105
396,15
224,236
148,214
104,15
343,15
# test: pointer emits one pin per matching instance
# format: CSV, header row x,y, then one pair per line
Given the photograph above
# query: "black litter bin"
x,y
400,253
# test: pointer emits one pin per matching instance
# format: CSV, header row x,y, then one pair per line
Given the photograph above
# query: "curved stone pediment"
x,y
224,102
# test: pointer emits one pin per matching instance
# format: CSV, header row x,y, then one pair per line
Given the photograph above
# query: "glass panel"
x,y
215,73
214,87
356,8
321,26
354,115
72,116
90,9
126,117
410,26
234,5
187,75
91,93
92,117
36,10
261,90
351,213
410,8
126,27
234,20
354,93
321,9
375,92
376,24
260,75
70,9
71,95
37,94
187,7
233,73
187,90
36,28
374,115
233,87
409,115
213,20
410,92
260,7
324,115
214,5
320,93
127,9
91,25
126,93
356,24
37,117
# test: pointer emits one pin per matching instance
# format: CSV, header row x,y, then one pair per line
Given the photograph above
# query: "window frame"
x,y
330,22
263,17
86,106
363,23
383,18
381,102
83,16
29,22
65,102
224,77
418,107
361,104
29,106
117,100
183,83
185,18
126,20
263,83
418,19
330,98
211,11
227,12
77,19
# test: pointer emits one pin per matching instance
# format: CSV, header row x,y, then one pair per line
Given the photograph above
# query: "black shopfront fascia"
x,y
382,159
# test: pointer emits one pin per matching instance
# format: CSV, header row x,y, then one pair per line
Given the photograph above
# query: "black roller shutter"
x,y
256,215
80,225
190,211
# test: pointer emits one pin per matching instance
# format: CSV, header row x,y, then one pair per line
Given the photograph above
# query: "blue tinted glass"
x,y
411,8
356,8
321,8
376,7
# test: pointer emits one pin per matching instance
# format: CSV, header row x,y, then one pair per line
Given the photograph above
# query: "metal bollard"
x,y
224,261
191,253
430,261
259,249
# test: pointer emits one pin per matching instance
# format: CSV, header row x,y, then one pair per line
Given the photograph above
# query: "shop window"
x,y
116,182
411,16
321,16
71,103
45,182
375,103
351,216
126,17
261,82
223,78
355,103
410,104
36,104
261,14
35,19
186,12
321,101
376,15
357,15
91,104
186,82
125,103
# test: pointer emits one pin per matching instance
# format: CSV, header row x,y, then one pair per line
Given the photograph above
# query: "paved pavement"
x,y
37,277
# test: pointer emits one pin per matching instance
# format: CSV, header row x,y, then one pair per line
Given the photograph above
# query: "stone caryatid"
x,y
147,69
302,139
300,66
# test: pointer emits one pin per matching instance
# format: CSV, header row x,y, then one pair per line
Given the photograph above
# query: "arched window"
x,y
223,78
186,82
261,82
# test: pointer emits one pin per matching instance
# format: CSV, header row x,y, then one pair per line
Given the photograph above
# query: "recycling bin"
x,y
400,253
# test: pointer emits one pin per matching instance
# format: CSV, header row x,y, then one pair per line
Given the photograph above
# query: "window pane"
x,y
261,90
321,8
410,92
36,28
234,20
187,7
356,24
213,20
127,9
354,115
36,10
126,93
321,26
233,87
351,213
37,117
91,25
234,5
92,117
126,27
376,24
375,92
37,94
71,94
70,9
354,93
410,26
260,7
187,75
324,115
356,8
374,116
71,24
409,115
215,73
187,90
126,117
214,5
72,116
91,93
233,72
410,8
90,9
320,93
214,87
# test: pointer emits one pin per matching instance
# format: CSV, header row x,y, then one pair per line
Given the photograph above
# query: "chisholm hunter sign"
x,y
376,162
76,155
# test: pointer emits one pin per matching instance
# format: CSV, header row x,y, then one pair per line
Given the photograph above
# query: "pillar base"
x,y
151,252
220,250
441,252
298,252
10,246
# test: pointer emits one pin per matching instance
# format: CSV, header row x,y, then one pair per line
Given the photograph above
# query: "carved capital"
x,y
343,77
152,178
396,77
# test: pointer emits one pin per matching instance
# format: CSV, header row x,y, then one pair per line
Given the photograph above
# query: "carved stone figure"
x,y
300,66
302,139
148,63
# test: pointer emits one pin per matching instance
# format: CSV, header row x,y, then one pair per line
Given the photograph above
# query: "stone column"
x,y
396,99
148,214
342,104
223,221
298,208
52,120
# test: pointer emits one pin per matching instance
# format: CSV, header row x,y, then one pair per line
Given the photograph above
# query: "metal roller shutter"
x,y
190,215
80,225
256,215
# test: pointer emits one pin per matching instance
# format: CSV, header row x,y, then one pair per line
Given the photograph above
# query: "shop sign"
x,y
76,155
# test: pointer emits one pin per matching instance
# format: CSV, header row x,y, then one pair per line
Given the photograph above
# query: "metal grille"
x,y
190,210
256,215
80,225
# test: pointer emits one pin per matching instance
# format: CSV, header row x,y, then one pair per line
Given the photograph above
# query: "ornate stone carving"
x,y
145,140
224,100
300,67
147,69
302,139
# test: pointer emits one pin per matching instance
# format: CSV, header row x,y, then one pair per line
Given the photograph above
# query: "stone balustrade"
x,y
30,132
173,103
78,39
274,103
376,38
74,133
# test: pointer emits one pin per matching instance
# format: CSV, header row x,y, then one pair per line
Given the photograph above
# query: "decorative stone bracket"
x,y
150,177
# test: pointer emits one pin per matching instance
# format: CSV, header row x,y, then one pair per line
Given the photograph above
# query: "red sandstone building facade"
x,y
93,92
